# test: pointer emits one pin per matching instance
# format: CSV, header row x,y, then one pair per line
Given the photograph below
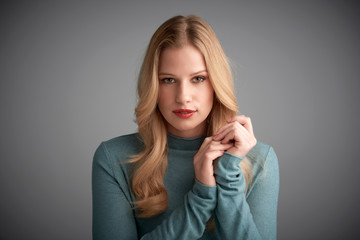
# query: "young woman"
x,y
194,170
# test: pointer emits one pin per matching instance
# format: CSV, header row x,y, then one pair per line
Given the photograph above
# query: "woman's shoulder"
x,y
265,164
263,156
124,141
121,147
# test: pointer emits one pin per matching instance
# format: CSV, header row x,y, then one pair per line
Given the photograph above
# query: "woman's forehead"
x,y
177,60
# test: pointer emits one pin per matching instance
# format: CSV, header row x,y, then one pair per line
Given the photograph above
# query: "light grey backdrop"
x,y
68,72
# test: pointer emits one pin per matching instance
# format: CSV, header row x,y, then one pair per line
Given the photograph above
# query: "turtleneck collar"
x,y
184,143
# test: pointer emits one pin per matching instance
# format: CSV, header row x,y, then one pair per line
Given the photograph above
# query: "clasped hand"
x,y
236,137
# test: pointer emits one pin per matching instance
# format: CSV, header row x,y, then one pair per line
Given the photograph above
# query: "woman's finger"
x,y
219,146
232,131
244,121
219,134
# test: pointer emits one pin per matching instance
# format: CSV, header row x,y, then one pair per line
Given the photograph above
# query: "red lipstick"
x,y
184,113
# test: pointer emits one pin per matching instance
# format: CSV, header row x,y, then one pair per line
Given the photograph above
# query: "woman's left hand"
x,y
239,131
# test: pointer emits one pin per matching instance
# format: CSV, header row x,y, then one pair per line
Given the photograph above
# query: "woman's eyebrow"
x,y
202,71
169,74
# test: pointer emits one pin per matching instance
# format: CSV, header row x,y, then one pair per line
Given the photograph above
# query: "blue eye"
x,y
198,79
168,80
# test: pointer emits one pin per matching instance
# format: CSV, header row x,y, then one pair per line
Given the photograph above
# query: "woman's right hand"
x,y
209,151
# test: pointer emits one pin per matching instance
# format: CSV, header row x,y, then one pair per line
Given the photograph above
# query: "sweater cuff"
x,y
228,166
204,191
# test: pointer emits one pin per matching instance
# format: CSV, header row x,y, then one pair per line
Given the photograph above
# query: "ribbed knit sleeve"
x,y
241,216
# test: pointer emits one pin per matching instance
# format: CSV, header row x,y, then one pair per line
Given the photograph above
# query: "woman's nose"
x,y
183,93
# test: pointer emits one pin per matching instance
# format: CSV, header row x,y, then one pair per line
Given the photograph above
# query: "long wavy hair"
x,y
150,164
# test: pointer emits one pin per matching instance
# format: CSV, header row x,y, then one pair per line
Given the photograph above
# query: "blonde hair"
x,y
150,164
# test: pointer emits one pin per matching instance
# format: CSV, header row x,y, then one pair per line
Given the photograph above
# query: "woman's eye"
x,y
198,79
168,80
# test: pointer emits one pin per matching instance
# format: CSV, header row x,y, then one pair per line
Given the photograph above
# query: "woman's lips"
x,y
184,113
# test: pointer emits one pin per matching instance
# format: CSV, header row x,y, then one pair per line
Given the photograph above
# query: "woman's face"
x,y
185,92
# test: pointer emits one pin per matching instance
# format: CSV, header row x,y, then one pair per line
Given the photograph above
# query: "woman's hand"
x,y
239,132
204,158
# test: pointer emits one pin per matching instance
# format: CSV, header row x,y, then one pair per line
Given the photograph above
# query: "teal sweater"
x,y
238,215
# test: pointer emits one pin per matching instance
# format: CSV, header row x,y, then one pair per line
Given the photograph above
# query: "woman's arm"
x,y
112,211
113,216
254,217
236,216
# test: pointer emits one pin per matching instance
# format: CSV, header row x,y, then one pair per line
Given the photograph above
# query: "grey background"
x,y
68,72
